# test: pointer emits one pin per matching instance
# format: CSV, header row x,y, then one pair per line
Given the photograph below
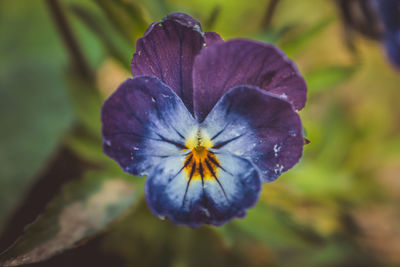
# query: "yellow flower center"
x,y
200,163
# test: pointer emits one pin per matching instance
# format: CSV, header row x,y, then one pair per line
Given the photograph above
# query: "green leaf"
x,y
137,14
275,228
88,148
297,43
81,210
328,77
34,107
274,36
114,45
121,19
209,24
87,103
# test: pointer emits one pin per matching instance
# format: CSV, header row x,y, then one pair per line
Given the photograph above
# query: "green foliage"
x,y
297,42
309,217
34,107
83,208
113,43
328,77
126,16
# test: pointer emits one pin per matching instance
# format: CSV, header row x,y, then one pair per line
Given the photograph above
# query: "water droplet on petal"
x,y
206,212
277,148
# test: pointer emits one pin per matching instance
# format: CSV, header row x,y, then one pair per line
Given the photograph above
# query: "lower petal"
x,y
215,200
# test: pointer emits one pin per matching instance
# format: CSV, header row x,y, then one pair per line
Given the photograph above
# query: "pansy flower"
x,y
206,120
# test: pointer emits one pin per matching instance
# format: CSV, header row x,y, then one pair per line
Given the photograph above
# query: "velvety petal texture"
x,y
207,121
203,201
167,51
254,124
144,121
220,67
212,38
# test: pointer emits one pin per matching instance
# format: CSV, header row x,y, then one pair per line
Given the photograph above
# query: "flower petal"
x,y
213,38
170,193
143,122
257,125
225,65
167,51
392,43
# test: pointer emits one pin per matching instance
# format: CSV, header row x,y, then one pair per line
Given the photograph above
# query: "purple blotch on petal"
x,y
221,67
167,51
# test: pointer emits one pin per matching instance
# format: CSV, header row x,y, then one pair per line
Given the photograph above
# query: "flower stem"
x,y
269,14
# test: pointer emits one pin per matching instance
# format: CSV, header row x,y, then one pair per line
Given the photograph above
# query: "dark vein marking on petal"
x,y
132,133
217,134
180,69
224,143
187,162
163,156
149,57
180,135
179,145
176,175
228,109
216,179
152,43
201,171
128,107
162,118
216,163
188,182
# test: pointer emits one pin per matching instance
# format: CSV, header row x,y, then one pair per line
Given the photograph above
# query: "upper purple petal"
x,y
236,62
167,51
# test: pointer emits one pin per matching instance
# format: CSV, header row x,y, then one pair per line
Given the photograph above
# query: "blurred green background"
x,y
338,207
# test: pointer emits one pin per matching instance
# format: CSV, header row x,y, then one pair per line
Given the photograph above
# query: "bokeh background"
x,y
60,59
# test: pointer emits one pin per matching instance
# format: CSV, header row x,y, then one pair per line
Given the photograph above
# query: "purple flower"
x,y
207,121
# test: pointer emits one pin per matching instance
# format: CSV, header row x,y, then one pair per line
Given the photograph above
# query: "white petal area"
x,y
144,121
256,125
168,190
171,120
211,201
224,126
237,185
